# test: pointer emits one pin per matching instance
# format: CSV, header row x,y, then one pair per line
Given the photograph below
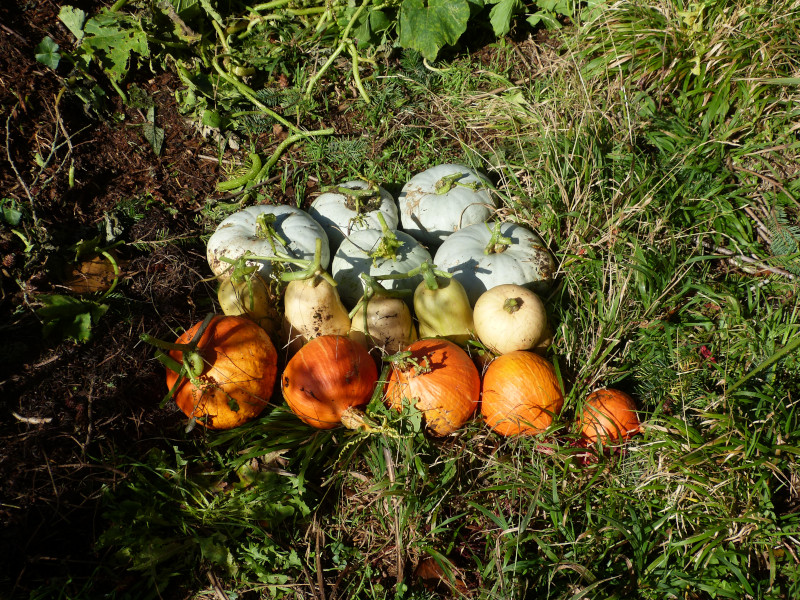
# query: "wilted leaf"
x,y
153,134
90,276
73,18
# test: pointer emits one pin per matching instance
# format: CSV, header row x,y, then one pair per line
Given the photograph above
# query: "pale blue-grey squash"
x,y
524,261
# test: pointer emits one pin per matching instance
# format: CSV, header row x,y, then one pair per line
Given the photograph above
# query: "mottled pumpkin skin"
x,y
241,365
610,415
326,377
520,394
445,386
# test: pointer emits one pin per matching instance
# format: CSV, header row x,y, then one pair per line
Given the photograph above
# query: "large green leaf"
x,y
428,25
111,39
502,14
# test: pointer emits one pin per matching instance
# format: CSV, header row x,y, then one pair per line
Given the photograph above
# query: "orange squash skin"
x,y
610,415
447,391
520,391
328,375
241,365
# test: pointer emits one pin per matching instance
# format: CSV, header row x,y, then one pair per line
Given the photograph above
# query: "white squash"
x,y
443,199
246,231
480,259
353,206
359,254
510,317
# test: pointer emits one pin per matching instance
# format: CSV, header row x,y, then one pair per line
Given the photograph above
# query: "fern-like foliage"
x,y
785,246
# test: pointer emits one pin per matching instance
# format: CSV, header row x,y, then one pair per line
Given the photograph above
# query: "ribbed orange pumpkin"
x,y
327,376
440,379
239,373
610,415
520,394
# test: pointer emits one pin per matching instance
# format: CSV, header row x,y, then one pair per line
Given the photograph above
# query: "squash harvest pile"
x,y
435,284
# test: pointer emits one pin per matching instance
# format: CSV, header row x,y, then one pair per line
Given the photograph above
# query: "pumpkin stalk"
x,y
404,361
498,242
512,305
431,275
355,199
448,182
266,229
420,270
192,361
388,245
313,269
372,288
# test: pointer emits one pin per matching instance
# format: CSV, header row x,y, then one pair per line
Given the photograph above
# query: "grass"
x,y
653,148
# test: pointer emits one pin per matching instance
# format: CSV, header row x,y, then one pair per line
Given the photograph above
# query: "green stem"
x,y
270,5
187,347
118,5
372,288
302,12
232,184
110,258
262,174
498,242
429,276
248,93
192,360
345,40
416,271
265,229
446,183
356,74
313,270
388,245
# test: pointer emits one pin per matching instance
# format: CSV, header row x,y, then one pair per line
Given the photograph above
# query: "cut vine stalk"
x,y
345,42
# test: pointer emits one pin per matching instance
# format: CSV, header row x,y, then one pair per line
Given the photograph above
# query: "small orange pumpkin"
x,y
520,394
440,379
609,415
240,364
328,376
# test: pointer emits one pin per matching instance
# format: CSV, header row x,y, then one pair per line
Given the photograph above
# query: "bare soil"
x,y
66,408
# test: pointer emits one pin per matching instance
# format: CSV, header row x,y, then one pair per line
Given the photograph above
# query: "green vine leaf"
x,y
111,39
502,14
66,317
47,53
428,25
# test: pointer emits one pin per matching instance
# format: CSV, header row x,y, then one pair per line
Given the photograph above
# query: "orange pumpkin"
x,y
440,379
520,394
239,369
328,376
609,415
